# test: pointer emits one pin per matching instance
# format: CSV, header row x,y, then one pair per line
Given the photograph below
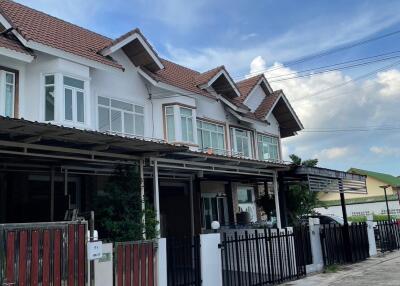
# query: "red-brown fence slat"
x,y
143,267
136,263
46,258
71,255
81,255
35,258
120,262
10,275
57,258
150,265
127,265
23,238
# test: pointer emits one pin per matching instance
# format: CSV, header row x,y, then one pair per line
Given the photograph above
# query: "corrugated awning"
x,y
36,139
327,180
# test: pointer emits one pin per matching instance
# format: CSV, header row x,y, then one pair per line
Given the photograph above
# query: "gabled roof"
x,y
47,30
278,105
385,178
205,77
137,48
247,85
178,76
13,44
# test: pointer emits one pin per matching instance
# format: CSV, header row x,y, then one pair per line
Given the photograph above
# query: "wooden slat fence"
x,y
134,263
43,254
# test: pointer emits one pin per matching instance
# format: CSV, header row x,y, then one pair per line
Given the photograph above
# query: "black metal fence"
x,y
261,257
387,235
183,259
337,249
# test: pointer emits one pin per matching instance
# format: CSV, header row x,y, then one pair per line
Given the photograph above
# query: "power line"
x,y
328,52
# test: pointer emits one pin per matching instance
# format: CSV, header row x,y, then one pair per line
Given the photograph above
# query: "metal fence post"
x,y
371,236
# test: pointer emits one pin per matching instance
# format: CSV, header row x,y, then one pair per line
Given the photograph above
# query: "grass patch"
x,y
331,268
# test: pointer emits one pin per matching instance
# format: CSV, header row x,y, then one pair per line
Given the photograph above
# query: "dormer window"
x,y
180,124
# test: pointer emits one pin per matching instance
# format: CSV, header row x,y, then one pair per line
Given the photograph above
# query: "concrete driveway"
x,y
376,271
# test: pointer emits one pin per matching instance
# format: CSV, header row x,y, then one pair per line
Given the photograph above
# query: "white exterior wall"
x,y
255,98
125,85
362,209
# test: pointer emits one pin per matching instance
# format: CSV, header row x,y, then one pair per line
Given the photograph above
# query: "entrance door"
x,y
246,201
175,210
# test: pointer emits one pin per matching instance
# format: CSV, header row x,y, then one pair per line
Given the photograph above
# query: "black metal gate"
x,y
335,250
261,257
387,235
183,259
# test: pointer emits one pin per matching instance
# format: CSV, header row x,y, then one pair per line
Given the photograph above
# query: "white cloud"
x,y
385,151
332,153
390,81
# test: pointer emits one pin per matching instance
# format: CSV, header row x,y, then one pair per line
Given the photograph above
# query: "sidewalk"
x,y
376,271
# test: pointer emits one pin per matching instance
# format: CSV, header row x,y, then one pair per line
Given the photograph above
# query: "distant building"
x,y
364,204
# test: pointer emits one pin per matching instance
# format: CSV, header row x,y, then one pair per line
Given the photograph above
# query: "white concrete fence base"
x,y
210,255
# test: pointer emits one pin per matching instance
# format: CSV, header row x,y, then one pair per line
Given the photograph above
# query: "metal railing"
x,y
183,258
336,250
387,235
261,257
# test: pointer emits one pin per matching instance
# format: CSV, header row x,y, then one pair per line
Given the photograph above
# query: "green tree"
x,y
118,210
299,200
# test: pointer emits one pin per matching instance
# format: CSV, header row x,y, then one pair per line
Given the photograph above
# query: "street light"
x,y
386,200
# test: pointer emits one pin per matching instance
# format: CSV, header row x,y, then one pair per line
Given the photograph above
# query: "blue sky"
x,y
249,36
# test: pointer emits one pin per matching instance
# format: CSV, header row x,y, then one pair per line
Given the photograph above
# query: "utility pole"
x,y
386,200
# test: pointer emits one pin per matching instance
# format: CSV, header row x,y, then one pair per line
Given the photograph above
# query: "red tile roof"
x,y
205,77
266,105
246,86
13,44
179,76
39,27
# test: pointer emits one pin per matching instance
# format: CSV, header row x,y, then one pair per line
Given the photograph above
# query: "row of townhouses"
x,y
74,103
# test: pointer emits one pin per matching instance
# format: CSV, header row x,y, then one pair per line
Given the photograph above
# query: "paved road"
x,y
377,271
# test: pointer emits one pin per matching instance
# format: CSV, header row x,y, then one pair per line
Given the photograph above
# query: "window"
x,y
268,147
120,117
170,122
74,100
9,94
49,87
186,124
241,142
211,135
215,208
179,124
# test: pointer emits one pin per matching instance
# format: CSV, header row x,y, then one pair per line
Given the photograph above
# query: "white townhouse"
x,y
207,145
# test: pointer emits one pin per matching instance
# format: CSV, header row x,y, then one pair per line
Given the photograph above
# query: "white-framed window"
x,y
186,124
74,100
241,141
170,123
268,147
120,117
49,97
211,136
180,124
7,93
215,208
